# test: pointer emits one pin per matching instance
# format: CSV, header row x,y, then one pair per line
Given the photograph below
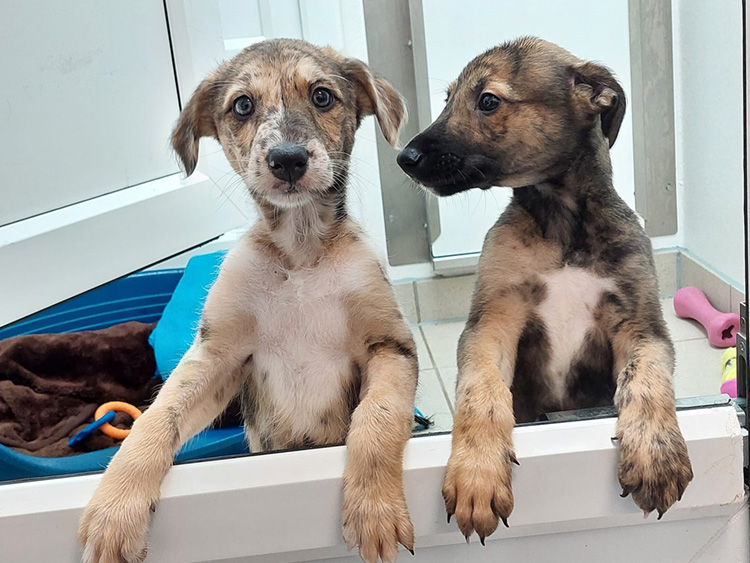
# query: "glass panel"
x,y
706,251
203,35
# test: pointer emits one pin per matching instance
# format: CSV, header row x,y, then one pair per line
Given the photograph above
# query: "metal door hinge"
x,y
742,382
742,371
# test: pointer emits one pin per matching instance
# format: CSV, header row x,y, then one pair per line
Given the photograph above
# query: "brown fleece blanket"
x,y
51,384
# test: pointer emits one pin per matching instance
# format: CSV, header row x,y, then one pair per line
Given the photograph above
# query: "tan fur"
x,y
565,312
654,464
301,320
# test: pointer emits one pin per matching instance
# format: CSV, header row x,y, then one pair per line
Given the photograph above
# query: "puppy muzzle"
x,y
288,162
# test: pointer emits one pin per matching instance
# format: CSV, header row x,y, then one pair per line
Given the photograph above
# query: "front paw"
x,y
113,528
477,487
654,468
375,519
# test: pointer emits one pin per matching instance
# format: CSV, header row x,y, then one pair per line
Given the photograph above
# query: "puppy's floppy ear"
x,y
376,96
597,91
195,121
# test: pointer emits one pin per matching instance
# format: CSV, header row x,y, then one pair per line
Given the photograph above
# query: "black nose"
x,y
287,162
409,158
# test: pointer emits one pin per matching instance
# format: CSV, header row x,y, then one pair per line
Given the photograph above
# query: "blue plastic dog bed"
x,y
140,297
174,298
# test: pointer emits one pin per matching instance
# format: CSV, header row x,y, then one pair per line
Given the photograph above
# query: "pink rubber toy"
x,y
691,303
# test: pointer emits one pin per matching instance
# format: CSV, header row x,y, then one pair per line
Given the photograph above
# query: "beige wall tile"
x,y
423,354
716,289
442,340
444,298
449,376
666,271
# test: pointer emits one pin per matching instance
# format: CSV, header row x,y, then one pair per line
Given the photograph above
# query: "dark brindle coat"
x,y
565,312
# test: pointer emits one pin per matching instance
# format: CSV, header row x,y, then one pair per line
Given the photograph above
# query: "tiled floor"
x,y
698,370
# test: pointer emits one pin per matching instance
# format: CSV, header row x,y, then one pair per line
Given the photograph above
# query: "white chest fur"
x,y
303,347
567,312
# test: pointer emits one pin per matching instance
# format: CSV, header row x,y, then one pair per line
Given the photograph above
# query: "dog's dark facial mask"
x,y
285,113
516,116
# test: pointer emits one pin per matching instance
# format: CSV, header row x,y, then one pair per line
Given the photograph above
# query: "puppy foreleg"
x,y
477,487
374,515
114,524
654,465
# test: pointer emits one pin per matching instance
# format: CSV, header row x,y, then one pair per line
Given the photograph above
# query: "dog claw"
x,y
505,521
410,551
468,539
513,459
481,540
645,514
660,514
625,492
449,518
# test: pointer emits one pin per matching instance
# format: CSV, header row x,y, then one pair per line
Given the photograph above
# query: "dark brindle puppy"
x,y
565,312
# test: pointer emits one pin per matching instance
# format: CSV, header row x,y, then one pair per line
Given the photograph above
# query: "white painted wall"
x,y
708,108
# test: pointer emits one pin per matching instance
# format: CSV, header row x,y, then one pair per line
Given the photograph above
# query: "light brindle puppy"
x,y
302,321
565,313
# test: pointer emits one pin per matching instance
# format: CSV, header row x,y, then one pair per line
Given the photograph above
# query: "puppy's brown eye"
x,y
243,107
322,98
488,102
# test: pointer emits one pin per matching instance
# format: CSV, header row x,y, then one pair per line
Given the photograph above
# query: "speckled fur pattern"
x,y
565,312
301,322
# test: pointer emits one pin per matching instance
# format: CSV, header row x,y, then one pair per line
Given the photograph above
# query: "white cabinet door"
x,y
87,93
89,189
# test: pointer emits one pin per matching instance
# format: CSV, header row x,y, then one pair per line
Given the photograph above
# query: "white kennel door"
x,y
455,32
87,91
89,188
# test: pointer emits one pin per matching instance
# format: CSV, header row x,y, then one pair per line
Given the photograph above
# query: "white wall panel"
x,y
87,101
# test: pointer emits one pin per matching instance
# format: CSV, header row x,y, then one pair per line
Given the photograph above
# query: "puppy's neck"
x,y
571,200
302,235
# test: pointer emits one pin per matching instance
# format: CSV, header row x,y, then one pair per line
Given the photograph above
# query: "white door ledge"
x,y
285,507
54,256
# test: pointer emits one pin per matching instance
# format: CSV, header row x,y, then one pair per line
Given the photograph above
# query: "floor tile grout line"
x,y
437,371
427,346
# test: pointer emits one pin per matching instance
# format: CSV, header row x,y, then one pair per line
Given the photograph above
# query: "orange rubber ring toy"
x,y
119,406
